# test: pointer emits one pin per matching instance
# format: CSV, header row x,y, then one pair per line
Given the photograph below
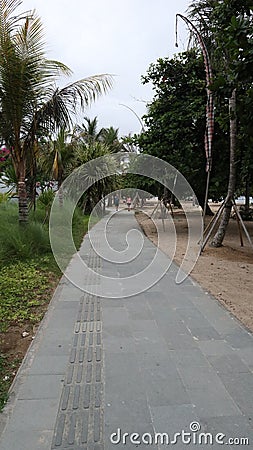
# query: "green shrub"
x,y
46,198
24,242
27,273
19,242
4,197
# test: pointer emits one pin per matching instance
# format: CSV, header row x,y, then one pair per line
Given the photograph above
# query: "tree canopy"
x,y
31,105
175,122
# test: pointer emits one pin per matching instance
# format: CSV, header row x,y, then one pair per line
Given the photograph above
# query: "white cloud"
x,y
121,37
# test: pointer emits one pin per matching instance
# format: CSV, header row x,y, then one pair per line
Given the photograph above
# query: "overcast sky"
x,y
120,37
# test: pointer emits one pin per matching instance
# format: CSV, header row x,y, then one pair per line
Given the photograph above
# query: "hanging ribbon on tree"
x,y
210,103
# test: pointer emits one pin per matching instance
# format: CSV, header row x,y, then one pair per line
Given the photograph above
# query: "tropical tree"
x,y
63,151
175,122
88,131
30,103
110,137
227,28
94,175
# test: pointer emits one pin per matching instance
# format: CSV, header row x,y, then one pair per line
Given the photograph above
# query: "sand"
x,y
225,272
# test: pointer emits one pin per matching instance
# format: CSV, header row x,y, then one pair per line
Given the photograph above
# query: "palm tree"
x,y
94,175
63,153
110,137
91,142
30,103
87,132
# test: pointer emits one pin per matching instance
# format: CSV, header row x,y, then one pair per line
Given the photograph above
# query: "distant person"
x,y
128,202
116,202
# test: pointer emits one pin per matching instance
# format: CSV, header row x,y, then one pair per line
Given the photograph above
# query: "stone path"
x,y
162,361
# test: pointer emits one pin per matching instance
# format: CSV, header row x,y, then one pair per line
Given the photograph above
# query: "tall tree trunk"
x,y
22,194
220,234
201,200
247,195
109,200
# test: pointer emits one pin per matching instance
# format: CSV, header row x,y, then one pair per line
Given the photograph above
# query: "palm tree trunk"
x,y
60,191
220,234
22,194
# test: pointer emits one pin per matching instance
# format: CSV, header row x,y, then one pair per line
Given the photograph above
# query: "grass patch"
x,y
23,287
28,275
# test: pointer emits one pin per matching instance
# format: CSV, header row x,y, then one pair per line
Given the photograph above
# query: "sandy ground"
x,y
225,272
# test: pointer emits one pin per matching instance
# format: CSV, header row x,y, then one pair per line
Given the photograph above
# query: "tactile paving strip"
x,y
80,420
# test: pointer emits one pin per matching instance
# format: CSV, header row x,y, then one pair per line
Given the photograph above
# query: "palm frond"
x,y
87,90
8,22
30,103
58,110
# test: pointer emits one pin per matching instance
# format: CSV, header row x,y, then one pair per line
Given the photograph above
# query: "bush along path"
x,y
28,277
25,291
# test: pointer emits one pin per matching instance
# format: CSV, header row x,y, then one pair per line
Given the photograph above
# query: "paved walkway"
x,y
162,361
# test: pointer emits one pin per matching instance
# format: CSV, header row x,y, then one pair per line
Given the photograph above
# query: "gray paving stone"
x,y
165,315
70,293
156,361
121,344
181,341
232,427
215,348
27,439
213,401
147,326
246,354
174,419
191,316
225,324
210,307
54,345
121,410
179,301
204,333
65,317
162,388
115,316
139,311
199,379
44,365
31,414
152,337
41,387
228,364
112,302
125,396
67,304
155,295
240,387
189,358
239,339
